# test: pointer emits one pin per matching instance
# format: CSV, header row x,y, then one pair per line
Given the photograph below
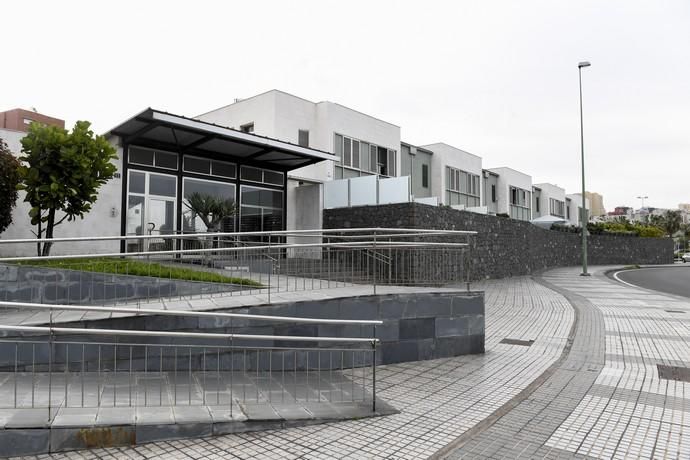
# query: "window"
x,y
462,188
265,176
248,128
208,167
519,197
567,211
355,154
536,204
556,207
154,158
425,176
493,193
364,156
303,138
260,209
28,121
347,148
194,223
520,204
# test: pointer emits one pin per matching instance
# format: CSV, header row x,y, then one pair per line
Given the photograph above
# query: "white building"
x,y
365,145
573,208
456,176
163,159
513,193
102,220
551,201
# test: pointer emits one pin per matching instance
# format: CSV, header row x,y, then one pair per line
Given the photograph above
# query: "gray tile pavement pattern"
x,y
604,405
438,400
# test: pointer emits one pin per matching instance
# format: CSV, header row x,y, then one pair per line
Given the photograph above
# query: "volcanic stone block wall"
x,y
506,247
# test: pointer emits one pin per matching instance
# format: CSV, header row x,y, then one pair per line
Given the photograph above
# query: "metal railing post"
x,y
375,263
50,365
270,268
373,372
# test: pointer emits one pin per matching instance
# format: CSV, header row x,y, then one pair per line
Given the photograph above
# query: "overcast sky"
x,y
498,79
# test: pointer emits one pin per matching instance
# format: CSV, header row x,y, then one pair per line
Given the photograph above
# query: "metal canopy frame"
x,y
166,131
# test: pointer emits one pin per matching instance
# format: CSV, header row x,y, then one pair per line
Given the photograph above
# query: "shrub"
x,y
9,179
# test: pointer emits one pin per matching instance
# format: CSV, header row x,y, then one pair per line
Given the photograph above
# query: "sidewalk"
x,y
605,399
438,400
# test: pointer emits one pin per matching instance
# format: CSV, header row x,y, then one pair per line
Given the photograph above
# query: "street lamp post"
x,y
583,213
642,208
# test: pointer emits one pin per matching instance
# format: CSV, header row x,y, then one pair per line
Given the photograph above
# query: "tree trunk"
x,y
49,232
40,231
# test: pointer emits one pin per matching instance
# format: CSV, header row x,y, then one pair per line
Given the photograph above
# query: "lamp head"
x,y
583,64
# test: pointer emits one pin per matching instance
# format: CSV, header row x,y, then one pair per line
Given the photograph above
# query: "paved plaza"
x,y
570,371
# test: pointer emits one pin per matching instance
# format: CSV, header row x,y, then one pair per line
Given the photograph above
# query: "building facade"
x,y
573,209
21,119
514,193
457,176
551,202
596,201
416,163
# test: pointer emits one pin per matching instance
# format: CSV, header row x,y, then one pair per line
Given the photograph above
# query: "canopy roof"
x,y
157,129
547,221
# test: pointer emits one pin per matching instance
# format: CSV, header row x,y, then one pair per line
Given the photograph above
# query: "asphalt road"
x,y
672,280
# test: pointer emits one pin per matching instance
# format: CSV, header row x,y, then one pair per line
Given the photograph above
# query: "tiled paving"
x,y
605,400
438,400
598,395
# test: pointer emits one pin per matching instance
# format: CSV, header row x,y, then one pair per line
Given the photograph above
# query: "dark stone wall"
x,y
506,247
415,327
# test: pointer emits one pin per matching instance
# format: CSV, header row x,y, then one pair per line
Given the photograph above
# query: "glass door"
x,y
151,210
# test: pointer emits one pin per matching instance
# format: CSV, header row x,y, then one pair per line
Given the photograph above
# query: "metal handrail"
x,y
379,245
190,335
206,314
14,340
228,234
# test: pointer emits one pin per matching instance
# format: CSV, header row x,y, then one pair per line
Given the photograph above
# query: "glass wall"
x,y
197,205
208,201
261,209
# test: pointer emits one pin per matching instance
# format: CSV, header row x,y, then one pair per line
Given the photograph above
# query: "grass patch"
x,y
124,266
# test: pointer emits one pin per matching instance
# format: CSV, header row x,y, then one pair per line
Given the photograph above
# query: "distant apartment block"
x,y
20,120
597,204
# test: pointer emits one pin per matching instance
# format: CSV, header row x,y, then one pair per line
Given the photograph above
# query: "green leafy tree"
x,y
671,222
61,175
9,180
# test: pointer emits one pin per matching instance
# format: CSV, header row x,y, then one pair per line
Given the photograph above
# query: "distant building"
x,y
551,201
514,193
20,119
573,208
597,203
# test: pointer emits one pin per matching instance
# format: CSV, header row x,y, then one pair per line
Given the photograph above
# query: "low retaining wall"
x,y
415,327
506,247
